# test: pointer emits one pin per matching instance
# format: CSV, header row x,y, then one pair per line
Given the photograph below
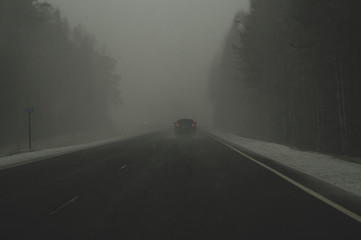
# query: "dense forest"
x,y
290,73
59,71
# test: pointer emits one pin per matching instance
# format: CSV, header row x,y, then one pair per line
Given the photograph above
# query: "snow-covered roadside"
x,y
343,174
29,157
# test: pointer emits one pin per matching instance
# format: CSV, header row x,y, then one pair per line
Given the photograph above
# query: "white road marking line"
x,y
122,168
90,166
79,171
64,205
300,186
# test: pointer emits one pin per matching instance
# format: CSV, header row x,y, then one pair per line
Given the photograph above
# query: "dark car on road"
x,y
185,126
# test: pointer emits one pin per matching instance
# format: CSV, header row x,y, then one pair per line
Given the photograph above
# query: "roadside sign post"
x,y
29,111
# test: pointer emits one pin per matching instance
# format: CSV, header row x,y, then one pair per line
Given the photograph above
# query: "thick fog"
x,y
164,49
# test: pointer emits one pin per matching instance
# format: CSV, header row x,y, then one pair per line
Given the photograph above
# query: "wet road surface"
x,y
160,186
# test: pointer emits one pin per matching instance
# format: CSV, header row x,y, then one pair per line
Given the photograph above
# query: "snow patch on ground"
x,y
29,157
343,174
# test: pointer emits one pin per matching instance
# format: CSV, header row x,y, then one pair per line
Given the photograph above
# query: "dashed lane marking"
x,y
68,203
119,169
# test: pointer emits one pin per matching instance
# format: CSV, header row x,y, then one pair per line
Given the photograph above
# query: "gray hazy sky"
x,y
164,49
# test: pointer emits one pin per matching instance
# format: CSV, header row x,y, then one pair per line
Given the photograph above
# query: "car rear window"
x,y
190,121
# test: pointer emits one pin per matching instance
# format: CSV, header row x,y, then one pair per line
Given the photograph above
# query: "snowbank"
x,y
29,157
343,174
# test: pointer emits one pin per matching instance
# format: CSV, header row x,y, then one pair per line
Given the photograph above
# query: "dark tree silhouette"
x,y
59,71
298,75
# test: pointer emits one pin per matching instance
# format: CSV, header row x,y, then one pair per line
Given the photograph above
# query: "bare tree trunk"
x,y
341,97
284,127
319,116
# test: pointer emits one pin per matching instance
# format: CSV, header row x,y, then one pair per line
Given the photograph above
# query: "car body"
x,y
185,126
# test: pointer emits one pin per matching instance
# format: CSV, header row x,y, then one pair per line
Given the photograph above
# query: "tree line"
x,y
290,73
58,70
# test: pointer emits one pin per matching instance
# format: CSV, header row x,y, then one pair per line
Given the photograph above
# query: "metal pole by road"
x,y
29,118
29,111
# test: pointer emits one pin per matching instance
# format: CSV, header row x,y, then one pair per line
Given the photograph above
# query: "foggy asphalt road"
x,y
160,186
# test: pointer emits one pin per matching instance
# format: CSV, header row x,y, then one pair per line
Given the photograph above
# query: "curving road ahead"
x,y
159,186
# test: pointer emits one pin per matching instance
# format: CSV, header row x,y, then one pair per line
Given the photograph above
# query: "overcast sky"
x,y
164,49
